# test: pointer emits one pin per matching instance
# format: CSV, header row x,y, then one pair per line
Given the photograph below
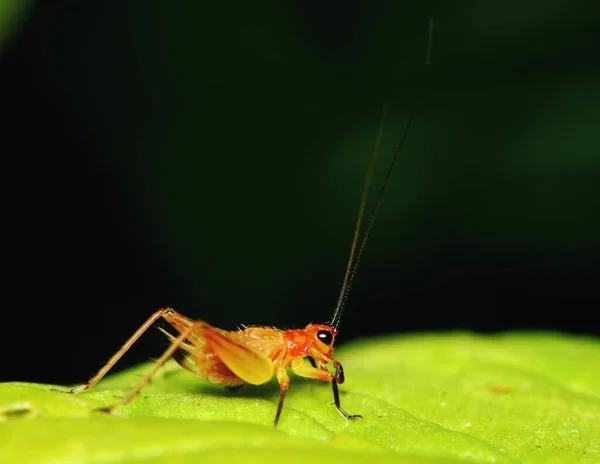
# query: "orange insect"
x,y
254,354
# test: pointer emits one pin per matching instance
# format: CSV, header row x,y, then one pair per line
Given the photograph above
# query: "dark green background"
x,y
210,156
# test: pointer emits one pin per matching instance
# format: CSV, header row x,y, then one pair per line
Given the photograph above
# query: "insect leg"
x,y
339,378
284,384
323,374
233,387
157,365
112,361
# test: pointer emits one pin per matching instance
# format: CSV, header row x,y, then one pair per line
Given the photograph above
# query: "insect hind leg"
x,y
157,365
119,354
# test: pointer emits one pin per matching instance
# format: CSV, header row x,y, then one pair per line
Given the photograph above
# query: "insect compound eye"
x,y
325,337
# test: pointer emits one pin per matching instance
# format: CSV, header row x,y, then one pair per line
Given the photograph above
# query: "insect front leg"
x,y
303,370
335,380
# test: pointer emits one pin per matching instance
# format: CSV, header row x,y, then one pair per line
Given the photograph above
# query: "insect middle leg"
x,y
284,384
303,370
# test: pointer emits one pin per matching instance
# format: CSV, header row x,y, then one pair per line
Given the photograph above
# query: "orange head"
x,y
320,342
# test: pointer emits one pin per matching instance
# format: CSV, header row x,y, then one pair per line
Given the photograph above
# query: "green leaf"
x,y
520,397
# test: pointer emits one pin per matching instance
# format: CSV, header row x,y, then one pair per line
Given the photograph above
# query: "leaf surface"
x,y
518,397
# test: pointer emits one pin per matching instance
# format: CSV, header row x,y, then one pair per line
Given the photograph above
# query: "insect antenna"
x,y
351,267
354,258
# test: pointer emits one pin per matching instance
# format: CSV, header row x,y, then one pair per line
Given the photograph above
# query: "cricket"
x,y
254,354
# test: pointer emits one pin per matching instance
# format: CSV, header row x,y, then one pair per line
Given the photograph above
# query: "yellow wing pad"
x,y
247,363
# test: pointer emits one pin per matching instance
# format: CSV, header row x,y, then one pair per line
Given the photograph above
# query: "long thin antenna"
x,y
352,266
348,276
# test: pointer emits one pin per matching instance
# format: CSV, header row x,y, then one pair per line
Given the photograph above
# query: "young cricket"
x,y
254,355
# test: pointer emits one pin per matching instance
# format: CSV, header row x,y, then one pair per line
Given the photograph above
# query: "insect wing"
x,y
247,363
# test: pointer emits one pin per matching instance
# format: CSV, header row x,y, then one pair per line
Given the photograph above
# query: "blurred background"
x,y
210,156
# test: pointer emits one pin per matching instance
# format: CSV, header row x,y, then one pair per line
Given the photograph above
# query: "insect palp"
x,y
339,373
